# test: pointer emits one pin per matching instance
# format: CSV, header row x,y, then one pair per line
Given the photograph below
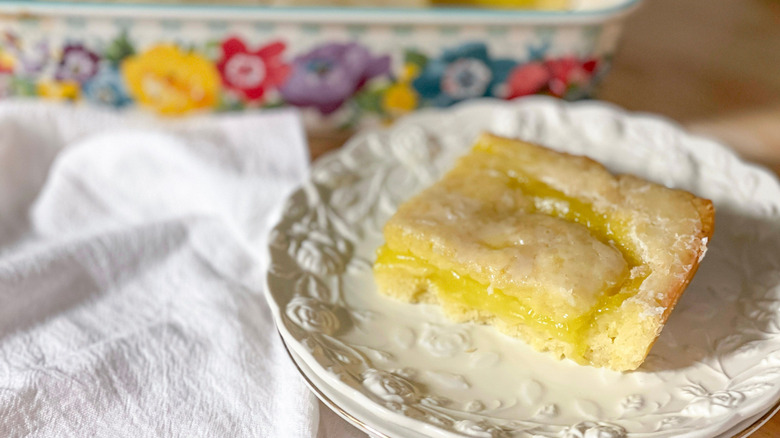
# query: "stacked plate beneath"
x,y
403,370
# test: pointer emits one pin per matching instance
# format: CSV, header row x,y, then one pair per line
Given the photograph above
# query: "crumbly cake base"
x,y
616,344
665,231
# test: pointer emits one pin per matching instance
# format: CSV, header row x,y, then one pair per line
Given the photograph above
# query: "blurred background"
x,y
712,65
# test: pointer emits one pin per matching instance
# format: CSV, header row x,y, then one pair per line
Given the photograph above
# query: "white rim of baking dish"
x,y
31,9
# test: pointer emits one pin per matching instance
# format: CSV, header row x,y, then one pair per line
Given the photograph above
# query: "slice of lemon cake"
x,y
548,247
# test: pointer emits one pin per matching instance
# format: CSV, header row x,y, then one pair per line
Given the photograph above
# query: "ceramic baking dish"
x,y
342,66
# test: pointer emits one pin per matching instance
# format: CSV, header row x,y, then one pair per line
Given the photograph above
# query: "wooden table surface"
x,y
711,65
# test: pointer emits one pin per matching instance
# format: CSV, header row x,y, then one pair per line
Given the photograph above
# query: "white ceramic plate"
x,y
363,417
715,367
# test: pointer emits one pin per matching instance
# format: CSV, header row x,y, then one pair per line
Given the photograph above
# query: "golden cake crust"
x,y
507,192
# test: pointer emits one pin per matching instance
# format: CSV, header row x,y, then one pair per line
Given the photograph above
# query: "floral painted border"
x,y
232,74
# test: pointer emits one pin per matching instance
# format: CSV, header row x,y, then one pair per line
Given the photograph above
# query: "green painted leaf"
x,y
274,104
416,58
212,49
229,103
119,49
370,100
23,87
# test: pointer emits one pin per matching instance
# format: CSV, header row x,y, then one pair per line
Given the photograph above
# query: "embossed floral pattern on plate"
x,y
716,364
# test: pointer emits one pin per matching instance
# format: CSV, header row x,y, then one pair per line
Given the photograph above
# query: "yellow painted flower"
x,y
59,90
170,80
401,97
7,62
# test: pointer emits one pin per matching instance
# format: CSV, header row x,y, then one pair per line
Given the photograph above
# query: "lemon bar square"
x,y
550,248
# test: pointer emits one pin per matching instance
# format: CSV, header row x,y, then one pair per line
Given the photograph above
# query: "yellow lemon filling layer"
x,y
462,290
550,248
550,201
547,313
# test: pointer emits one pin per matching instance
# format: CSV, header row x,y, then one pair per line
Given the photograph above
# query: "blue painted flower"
x,y
464,72
107,88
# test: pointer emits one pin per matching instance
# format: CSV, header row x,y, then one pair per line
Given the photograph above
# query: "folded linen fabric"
x,y
131,275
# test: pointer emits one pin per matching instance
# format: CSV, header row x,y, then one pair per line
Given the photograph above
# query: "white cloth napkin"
x,y
131,275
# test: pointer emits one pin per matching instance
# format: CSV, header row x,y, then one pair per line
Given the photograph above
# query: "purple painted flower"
x,y
330,74
31,59
77,64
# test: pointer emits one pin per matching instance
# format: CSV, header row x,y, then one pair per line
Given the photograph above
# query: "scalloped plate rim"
x,y
356,142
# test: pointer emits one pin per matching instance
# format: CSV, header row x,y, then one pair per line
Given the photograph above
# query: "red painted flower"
x,y
252,73
554,76
527,79
567,72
